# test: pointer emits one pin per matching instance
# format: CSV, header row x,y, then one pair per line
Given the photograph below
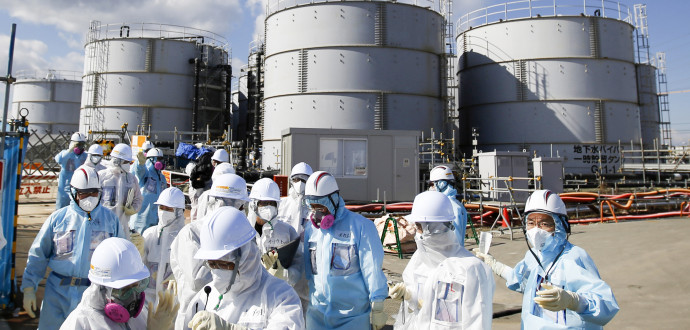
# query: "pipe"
x,y
8,81
195,102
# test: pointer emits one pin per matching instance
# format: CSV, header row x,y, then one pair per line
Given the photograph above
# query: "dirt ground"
x,y
641,260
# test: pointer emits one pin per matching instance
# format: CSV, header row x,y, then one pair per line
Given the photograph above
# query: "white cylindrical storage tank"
x,y
556,85
153,74
649,105
52,99
351,65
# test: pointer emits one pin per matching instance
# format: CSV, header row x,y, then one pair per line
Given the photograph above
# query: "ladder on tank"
x,y
97,55
449,57
664,111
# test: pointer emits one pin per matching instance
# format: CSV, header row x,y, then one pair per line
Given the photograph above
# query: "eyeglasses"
x,y
265,203
84,193
220,264
543,223
124,294
296,179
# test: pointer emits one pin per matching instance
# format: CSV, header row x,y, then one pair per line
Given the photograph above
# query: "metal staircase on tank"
x,y
450,86
664,111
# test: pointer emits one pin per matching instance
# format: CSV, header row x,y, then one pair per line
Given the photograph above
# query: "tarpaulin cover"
x,y
190,151
9,178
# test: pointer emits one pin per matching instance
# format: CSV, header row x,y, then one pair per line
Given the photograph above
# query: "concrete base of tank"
x,y
643,261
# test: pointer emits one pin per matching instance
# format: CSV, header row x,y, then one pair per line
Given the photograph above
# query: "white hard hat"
x,y
265,190
441,173
226,230
116,263
431,206
122,151
545,201
85,177
229,186
147,145
320,183
154,152
301,168
78,137
95,149
221,155
171,197
222,168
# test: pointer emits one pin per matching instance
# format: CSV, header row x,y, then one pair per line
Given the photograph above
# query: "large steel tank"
x,y
554,80
52,98
164,76
649,105
350,65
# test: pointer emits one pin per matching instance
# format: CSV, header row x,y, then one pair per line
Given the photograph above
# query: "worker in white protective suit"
x,y
442,179
158,239
121,189
192,274
69,160
274,233
116,298
220,156
295,211
95,156
559,281
445,286
206,199
347,285
65,244
242,294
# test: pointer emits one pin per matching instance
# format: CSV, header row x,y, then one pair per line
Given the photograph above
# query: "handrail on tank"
x,y
543,8
273,6
49,74
157,30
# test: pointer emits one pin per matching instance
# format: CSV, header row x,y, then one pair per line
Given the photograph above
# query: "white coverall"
x,y
116,185
295,212
281,234
157,244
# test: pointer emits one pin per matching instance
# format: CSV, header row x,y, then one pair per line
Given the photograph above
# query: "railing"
x,y
273,6
162,31
49,74
543,8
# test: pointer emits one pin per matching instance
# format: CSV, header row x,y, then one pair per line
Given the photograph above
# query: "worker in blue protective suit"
x,y
443,180
151,184
69,160
65,244
343,256
560,284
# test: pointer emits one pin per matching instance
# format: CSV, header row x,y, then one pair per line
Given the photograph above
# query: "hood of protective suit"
x,y
433,249
554,244
325,201
94,296
250,268
450,191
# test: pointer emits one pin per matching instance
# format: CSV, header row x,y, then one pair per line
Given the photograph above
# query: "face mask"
x,y
125,167
299,187
78,151
165,217
88,204
95,159
537,237
441,185
267,212
223,279
159,166
322,220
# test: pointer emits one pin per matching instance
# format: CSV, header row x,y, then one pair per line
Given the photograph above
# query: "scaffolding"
x,y
95,87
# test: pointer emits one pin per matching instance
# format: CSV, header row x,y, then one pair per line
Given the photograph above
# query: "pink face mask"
x,y
326,220
78,151
159,166
119,313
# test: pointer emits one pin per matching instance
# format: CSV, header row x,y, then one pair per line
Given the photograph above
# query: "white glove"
x,y
378,317
138,241
556,299
129,210
141,157
399,291
205,320
269,258
163,317
30,301
497,267
278,272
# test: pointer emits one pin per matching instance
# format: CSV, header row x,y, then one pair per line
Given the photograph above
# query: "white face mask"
x,y
222,279
537,237
165,217
95,159
299,187
125,167
267,212
88,204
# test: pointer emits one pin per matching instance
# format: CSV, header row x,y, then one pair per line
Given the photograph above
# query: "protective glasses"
x,y
220,264
540,220
84,193
433,228
298,178
118,161
130,291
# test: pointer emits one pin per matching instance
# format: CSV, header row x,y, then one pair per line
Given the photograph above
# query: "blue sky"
x,y
52,37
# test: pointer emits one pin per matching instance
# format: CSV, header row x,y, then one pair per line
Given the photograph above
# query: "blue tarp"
x,y
9,190
190,151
